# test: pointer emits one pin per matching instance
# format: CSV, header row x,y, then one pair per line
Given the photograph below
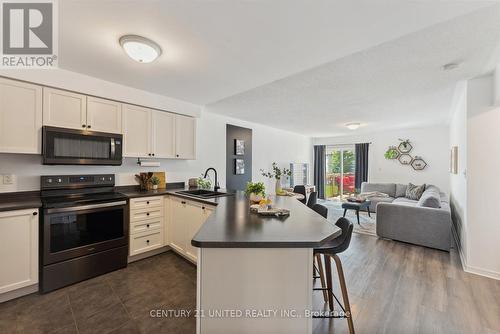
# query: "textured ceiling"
x,y
217,48
395,84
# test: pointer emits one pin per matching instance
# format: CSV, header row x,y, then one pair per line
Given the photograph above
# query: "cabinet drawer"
x,y
147,213
146,202
143,242
146,225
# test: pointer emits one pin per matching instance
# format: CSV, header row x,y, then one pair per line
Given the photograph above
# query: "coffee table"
x,y
357,206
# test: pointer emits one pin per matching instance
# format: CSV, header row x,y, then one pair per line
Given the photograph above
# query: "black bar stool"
x,y
330,251
313,199
301,190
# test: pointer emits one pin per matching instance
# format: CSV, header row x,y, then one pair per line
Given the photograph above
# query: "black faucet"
x,y
216,187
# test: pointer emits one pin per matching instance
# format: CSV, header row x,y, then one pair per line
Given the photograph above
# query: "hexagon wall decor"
x,y
418,163
405,159
405,146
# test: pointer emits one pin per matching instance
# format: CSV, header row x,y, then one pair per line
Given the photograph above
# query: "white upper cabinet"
x,y
185,137
163,134
18,249
104,115
64,109
137,131
20,117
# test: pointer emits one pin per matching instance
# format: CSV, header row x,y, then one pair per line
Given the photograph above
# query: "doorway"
x,y
340,172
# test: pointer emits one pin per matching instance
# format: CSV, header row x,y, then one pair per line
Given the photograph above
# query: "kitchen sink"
x,y
201,193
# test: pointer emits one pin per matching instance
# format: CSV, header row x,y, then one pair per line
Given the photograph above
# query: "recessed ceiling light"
x,y
140,49
450,66
352,126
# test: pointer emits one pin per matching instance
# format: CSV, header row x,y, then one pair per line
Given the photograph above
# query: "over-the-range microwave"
x,y
62,146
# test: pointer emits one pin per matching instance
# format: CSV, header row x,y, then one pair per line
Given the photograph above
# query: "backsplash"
x,y
27,168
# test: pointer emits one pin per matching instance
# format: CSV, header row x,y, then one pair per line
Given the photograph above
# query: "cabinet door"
x,y
64,109
163,134
136,131
18,249
104,115
185,137
20,117
183,215
194,225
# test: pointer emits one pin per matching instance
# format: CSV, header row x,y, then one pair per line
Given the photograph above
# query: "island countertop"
x,y
232,225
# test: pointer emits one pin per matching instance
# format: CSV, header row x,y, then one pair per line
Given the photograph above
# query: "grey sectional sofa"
x,y
425,222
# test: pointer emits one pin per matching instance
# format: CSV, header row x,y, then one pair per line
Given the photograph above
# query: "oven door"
x,y
81,230
63,146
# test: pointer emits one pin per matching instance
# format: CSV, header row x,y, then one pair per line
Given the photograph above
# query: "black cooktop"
x,y
81,199
60,191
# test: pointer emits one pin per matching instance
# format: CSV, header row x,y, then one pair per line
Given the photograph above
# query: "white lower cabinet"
x,y
18,249
147,224
146,241
159,221
186,218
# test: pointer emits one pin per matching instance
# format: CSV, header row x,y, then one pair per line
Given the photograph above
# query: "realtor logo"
x,y
29,34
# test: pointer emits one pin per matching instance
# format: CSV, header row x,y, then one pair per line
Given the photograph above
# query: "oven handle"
x,y
86,207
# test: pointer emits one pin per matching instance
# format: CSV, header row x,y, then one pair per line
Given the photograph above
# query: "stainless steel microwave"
x,y
62,146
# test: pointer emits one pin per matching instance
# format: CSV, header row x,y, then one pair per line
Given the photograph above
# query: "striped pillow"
x,y
414,192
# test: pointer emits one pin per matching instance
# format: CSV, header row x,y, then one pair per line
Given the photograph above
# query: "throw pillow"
x,y
414,192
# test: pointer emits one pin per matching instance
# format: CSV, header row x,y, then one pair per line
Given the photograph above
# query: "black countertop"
x,y
232,225
20,200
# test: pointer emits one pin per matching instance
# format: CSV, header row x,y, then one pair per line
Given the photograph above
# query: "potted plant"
x,y
256,191
391,153
204,183
277,173
155,181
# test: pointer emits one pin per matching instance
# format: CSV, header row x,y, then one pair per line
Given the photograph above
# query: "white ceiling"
x,y
371,61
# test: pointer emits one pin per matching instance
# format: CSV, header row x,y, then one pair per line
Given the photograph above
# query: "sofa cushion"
x,y
405,201
431,198
386,188
401,190
414,192
375,200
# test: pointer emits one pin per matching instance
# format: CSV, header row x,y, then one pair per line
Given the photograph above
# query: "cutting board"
x,y
163,179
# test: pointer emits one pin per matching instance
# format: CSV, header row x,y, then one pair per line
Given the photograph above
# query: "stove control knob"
x,y
102,178
59,180
49,181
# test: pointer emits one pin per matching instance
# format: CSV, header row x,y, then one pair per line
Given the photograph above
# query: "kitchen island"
x,y
255,272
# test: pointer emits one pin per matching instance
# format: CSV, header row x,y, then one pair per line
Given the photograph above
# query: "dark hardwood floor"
x,y
393,287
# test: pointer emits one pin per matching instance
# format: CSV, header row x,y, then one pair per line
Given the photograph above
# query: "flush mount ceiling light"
x,y
352,126
140,49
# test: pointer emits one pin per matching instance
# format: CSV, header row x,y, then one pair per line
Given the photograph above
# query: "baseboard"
x,y
483,272
148,254
469,269
460,250
27,290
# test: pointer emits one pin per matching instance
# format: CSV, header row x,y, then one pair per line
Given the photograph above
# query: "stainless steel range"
x,y
83,229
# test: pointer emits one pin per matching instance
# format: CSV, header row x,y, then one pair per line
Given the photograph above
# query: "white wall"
x,y
458,182
483,182
430,143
